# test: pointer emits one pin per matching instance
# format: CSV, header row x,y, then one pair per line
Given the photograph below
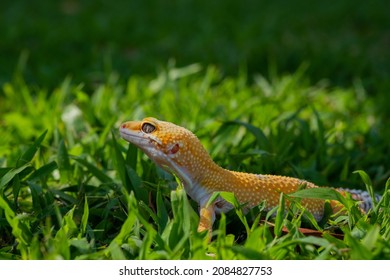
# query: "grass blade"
x,y
98,173
20,229
229,197
63,161
11,174
121,166
280,216
37,196
261,139
29,154
318,193
43,171
367,181
84,218
131,156
162,213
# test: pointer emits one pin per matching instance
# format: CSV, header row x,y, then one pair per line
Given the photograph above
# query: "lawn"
x,y
297,89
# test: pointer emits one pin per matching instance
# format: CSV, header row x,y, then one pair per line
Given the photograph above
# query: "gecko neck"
x,y
202,177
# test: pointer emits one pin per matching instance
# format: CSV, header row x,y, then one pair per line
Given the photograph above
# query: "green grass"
x,y
341,41
71,189
295,88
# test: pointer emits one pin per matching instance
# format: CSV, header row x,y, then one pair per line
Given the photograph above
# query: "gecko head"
x,y
168,145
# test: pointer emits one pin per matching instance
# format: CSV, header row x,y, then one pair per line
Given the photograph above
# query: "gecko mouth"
x,y
137,138
131,137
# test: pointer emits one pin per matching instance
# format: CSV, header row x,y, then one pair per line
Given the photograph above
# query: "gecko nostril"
x,y
123,126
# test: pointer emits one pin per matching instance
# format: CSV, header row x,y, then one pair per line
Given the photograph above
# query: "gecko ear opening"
x,y
173,149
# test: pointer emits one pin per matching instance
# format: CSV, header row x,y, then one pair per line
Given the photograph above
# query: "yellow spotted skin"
x,y
179,150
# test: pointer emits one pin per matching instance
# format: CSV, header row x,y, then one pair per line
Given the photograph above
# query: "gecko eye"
x,y
148,128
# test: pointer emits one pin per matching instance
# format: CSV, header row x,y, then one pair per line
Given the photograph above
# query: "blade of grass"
x,y
98,173
37,196
121,166
367,182
230,198
319,193
261,139
20,228
43,171
11,174
30,152
131,156
63,161
67,230
279,216
162,212
136,184
358,250
84,218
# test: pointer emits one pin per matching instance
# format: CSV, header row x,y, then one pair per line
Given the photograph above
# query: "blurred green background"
x,y
339,40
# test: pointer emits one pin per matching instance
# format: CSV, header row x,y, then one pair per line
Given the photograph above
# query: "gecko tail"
x,y
363,197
